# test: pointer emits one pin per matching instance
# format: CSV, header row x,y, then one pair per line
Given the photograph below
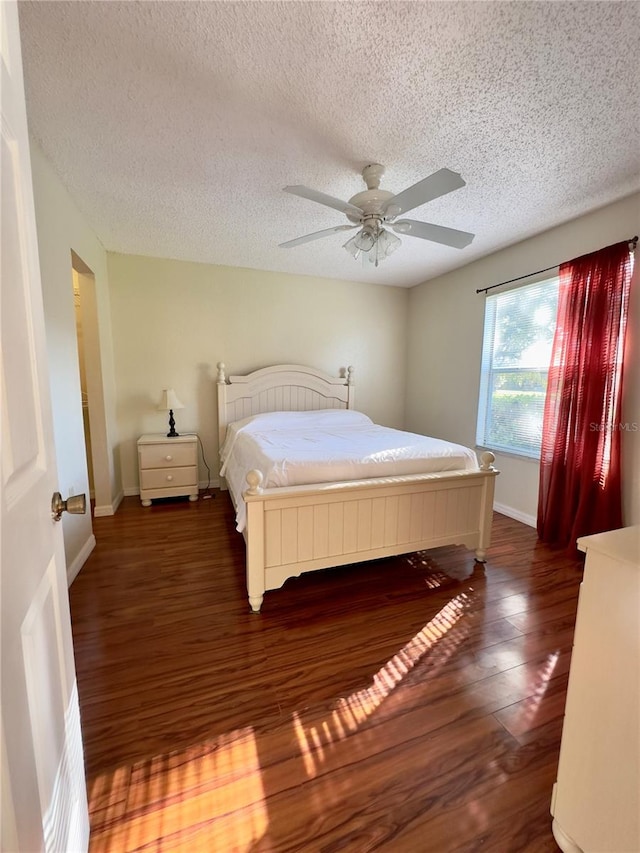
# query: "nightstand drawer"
x,y
167,456
158,478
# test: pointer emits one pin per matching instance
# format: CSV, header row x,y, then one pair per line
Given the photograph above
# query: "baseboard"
x,y
80,560
214,484
529,520
108,509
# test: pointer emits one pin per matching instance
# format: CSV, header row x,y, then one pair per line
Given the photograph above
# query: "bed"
x,y
352,510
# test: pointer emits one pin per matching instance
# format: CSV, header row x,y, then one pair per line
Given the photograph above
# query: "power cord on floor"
x,y
207,495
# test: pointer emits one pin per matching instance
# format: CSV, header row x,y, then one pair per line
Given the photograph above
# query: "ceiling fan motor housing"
x,y
373,200
370,202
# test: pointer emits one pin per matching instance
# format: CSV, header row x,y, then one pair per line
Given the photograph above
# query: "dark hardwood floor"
x,y
409,705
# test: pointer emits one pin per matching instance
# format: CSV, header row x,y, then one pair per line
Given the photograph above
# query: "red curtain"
x,y
580,476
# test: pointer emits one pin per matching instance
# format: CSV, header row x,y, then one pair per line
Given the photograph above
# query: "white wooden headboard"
x,y
281,388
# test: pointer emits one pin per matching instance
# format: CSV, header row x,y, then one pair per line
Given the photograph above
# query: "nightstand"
x,y
168,467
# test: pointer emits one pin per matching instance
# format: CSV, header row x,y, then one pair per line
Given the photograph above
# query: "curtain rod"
x,y
632,241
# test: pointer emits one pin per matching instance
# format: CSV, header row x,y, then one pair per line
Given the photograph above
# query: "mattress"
x,y
332,445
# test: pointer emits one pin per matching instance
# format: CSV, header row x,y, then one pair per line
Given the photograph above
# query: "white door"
x,y
44,805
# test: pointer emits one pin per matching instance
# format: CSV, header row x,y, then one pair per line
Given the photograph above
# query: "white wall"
x,y
445,341
61,229
173,321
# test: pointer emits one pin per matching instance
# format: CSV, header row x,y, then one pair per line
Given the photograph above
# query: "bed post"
x,y
486,506
221,382
255,542
351,388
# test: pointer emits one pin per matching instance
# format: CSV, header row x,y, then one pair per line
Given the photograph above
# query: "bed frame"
x,y
305,528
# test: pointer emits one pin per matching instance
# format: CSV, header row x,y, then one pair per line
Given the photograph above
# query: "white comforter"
x,y
299,448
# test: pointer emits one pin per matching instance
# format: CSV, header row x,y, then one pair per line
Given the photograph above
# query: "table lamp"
x,y
169,402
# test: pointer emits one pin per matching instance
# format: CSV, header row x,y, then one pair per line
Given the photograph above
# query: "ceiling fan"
x,y
373,208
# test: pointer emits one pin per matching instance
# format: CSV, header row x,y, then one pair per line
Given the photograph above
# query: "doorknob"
x,y
75,504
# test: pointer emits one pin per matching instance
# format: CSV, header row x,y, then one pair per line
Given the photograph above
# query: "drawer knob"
x,y
168,457
169,476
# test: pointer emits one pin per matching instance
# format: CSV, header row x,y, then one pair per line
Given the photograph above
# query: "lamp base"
x,y
172,426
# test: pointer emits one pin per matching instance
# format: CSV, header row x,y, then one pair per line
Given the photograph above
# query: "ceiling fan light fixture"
x,y
375,244
352,248
366,238
387,243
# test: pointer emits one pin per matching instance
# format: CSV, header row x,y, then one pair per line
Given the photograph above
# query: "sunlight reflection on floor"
x,y
184,789
353,711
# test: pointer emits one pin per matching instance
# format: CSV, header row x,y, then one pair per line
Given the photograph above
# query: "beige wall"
x,y
445,340
173,321
61,229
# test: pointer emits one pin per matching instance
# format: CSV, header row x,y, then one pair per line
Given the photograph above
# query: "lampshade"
x,y
169,401
387,243
365,239
351,247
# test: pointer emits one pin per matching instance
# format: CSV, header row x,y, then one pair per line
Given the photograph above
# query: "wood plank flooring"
x,y
410,705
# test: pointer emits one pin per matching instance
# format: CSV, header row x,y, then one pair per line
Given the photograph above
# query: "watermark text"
x,y
623,426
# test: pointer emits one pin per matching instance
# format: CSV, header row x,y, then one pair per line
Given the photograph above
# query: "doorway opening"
x,y
91,385
86,422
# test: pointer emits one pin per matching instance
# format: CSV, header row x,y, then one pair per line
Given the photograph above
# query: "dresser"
x,y
168,467
596,799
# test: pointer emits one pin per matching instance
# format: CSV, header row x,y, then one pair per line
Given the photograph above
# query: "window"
x,y
518,335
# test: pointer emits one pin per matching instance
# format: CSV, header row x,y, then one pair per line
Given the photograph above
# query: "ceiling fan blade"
x,y
440,183
435,233
297,241
323,198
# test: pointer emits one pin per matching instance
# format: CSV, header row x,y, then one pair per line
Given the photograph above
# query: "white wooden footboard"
x,y
305,528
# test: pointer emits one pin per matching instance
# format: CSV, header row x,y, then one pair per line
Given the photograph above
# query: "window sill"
x,y
510,454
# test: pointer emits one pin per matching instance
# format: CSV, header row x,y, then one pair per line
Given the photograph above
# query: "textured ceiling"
x,y
175,125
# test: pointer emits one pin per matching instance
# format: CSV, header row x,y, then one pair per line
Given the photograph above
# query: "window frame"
x,y
488,372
